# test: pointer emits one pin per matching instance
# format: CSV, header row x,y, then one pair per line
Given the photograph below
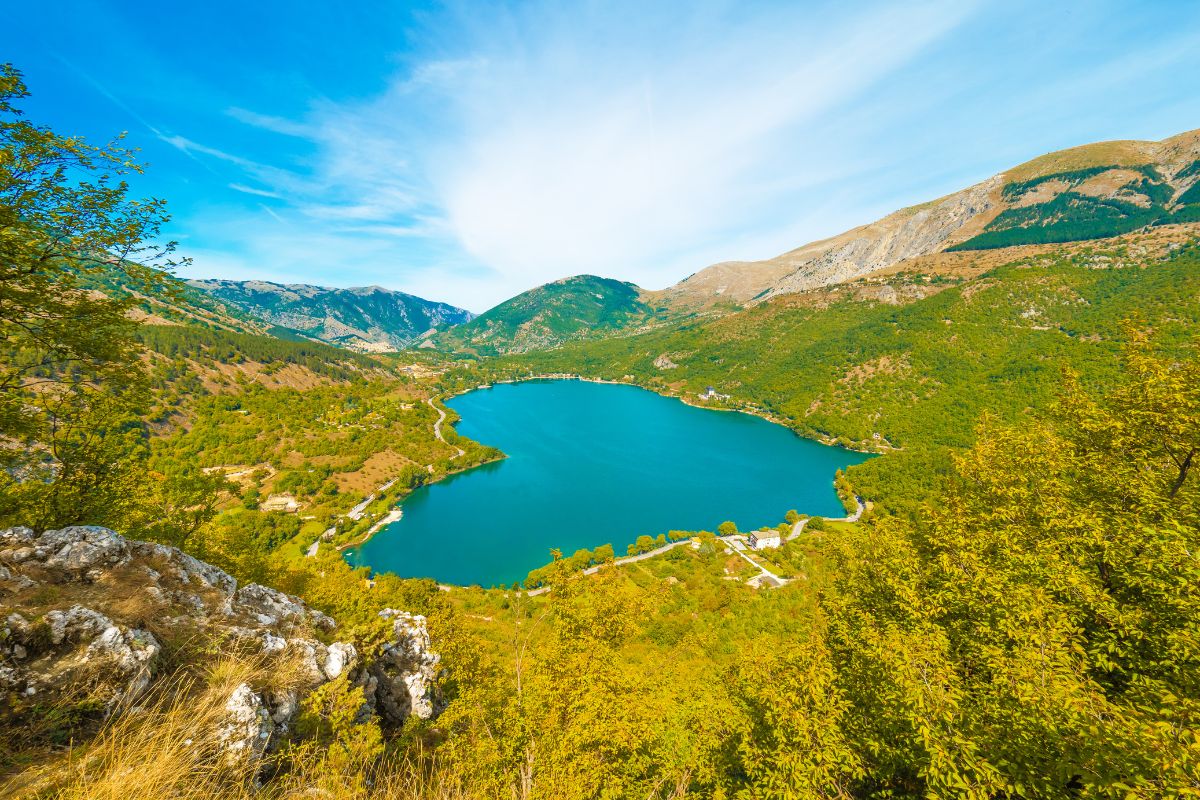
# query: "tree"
x,y
727,528
70,385
644,544
1038,631
250,498
792,517
1154,413
581,559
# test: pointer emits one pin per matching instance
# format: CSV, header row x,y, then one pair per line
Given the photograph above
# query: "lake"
x,y
590,464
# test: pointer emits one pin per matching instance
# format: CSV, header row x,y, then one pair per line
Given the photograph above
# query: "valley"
x,y
279,540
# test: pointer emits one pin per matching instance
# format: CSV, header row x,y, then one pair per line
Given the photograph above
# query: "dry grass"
x,y
167,749
1125,153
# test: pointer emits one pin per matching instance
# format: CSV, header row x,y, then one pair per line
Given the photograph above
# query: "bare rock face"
x,y
401,682
664,362
271,607
899,236
77,651
902,235
247,728
77,606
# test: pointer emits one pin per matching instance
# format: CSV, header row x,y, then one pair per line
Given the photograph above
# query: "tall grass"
x,y
167,748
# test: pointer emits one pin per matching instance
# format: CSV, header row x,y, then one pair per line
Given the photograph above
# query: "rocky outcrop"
x,y
1140,173
664,362
401,681
906,234
248,727
85,611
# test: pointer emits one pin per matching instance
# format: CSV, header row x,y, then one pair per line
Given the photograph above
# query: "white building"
x,y
280,502
762,540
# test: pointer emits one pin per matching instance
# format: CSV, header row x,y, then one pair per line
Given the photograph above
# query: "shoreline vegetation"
x,y
725,539
744,408
1015,612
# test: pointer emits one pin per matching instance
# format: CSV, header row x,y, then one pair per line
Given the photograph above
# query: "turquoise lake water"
x,y
590,464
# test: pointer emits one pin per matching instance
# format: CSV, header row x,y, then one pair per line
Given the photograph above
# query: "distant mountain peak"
x,y
366,318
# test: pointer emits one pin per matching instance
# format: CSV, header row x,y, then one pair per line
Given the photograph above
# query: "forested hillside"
x,y
581,307
909,362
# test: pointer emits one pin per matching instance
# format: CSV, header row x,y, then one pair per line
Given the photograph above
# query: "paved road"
x,y
437,429
763,571
797,529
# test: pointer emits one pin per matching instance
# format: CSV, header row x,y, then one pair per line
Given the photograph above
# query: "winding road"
x,y
437,430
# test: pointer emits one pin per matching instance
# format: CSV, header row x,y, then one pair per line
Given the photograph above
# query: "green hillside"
x,y
1014,614
579,307
912,380
1058,208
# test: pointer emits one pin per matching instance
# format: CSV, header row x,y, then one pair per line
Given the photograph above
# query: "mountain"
x,y
1089,192
580,307
1094,191
369,319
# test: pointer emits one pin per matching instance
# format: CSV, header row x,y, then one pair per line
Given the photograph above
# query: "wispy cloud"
x,y
600,139
238,187
521,141
267,122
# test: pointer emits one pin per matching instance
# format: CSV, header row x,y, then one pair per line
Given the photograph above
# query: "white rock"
x,y
405,673
342,656
247,728
76,623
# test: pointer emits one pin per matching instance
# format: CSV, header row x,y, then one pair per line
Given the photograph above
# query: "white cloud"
x,y
615,139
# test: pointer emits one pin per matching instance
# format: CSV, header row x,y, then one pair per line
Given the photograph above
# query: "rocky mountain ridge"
x,y
1084,193
1087,192
368,319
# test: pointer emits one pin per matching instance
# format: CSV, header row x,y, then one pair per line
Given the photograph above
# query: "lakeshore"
x,y
689,400
595,461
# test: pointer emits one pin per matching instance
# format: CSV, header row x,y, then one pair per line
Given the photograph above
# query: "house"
x,y
762,540
710,393
280,502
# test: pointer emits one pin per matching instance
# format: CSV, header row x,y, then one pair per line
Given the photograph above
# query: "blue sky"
x,y
467,152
